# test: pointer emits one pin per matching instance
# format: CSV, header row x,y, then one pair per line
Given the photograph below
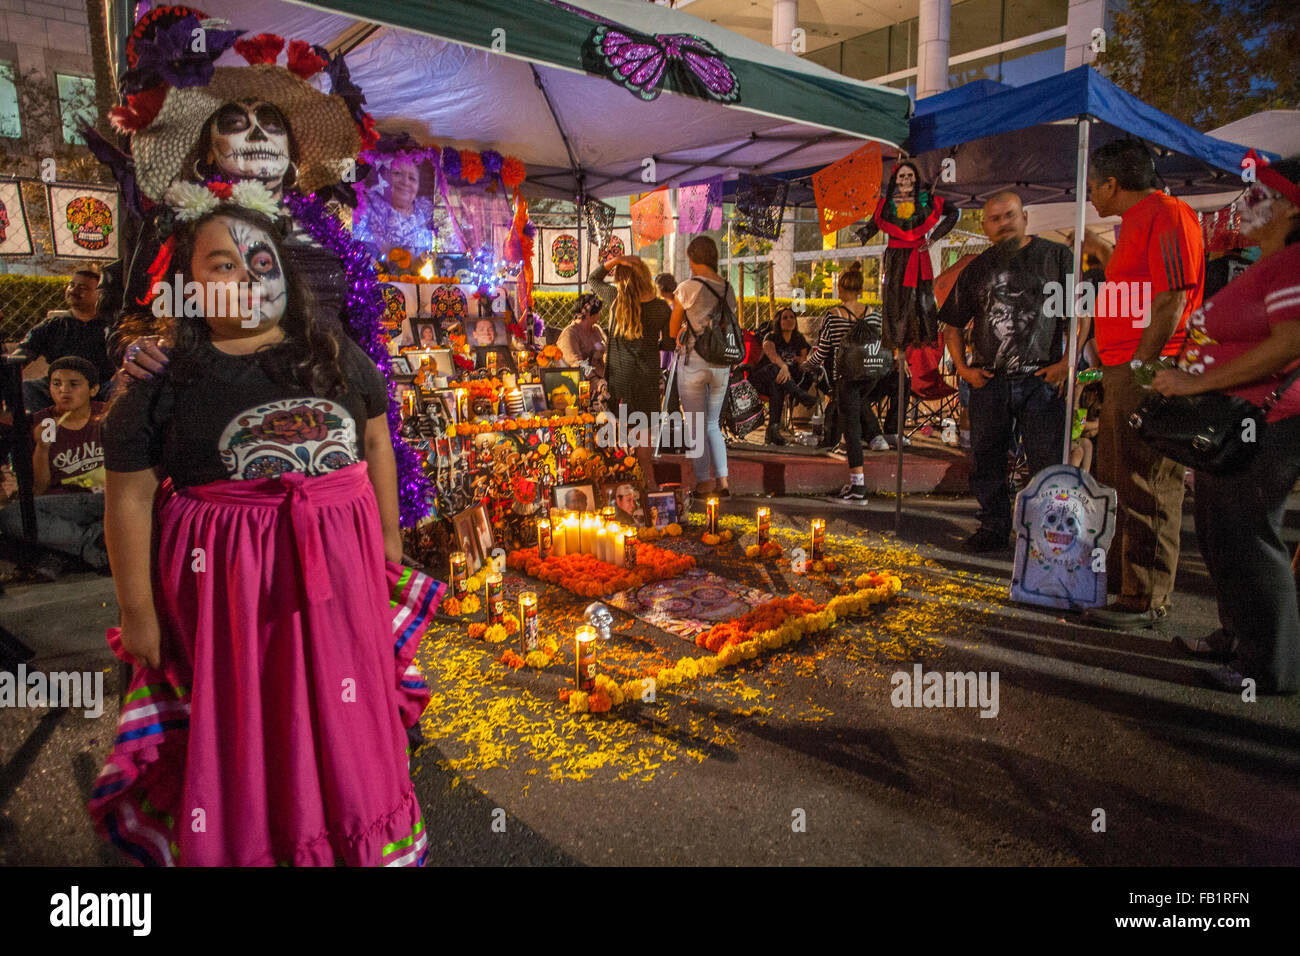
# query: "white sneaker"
x,y
879,444
892,441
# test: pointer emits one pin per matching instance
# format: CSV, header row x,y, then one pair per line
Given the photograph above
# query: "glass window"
x,y
985,68
76,101
10,125
1033,62
902,46
907,83
868,55
974,25
828,56
1027,17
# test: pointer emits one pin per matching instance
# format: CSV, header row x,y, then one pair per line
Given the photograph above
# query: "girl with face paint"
x,y
261,582
1245,341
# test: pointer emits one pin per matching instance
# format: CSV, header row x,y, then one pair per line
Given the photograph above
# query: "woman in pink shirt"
x,y
1246,341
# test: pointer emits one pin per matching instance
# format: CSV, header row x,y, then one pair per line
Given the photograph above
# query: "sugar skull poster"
x,y
1065,520
84,220
15,240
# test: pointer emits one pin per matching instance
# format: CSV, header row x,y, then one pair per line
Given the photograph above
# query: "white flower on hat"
x,y
190,200
252,194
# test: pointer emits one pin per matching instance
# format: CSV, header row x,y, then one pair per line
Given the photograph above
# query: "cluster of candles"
x,y
574,532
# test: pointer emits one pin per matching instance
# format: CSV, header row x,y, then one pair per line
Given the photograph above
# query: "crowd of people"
x,y
255,442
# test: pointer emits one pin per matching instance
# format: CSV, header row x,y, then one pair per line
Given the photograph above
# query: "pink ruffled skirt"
x,y
274,733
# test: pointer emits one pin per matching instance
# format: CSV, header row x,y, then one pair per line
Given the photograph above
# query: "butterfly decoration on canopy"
x,y
639,62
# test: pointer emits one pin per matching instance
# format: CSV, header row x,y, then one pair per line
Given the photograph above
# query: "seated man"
x,y
80,330
68,467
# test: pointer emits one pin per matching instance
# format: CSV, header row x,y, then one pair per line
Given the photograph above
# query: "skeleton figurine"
x,y
1064,523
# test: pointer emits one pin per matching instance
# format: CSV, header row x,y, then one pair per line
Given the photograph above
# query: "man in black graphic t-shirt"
x,y
1018,359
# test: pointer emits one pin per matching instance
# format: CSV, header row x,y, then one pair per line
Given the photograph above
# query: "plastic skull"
x,y
250,140
599,617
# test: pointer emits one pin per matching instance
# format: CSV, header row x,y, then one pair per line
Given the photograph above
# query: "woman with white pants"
x,y
702,386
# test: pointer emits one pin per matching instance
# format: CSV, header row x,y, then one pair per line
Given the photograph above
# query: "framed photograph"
x,y
487,332
471,527
505,358
401,367
441,359
660,509
426,333
447,399
561,385
534,398
628,500
576,497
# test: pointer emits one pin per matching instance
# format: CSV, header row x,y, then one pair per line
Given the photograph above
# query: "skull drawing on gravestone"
x,y
1064,520
1059,529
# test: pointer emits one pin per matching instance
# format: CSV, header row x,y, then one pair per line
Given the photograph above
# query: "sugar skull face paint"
x,y
251,141
1257,207
269,291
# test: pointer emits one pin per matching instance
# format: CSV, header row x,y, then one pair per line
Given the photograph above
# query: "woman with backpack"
x,y
638,317
705,302
853,388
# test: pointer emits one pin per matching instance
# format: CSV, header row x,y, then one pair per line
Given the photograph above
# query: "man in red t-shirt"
x,y
1154,280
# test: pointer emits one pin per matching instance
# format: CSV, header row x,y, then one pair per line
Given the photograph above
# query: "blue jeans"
x,y
703,389
1004,402
70,523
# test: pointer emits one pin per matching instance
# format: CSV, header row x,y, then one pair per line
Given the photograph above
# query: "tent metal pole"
x,y
1072,342
901,411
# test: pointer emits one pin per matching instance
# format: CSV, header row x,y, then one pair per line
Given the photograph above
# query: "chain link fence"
x,y
25,300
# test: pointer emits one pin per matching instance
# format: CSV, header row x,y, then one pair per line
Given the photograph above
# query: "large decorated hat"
x,y
174,92
320,126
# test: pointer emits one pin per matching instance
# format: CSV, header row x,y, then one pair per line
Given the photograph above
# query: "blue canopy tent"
x,y
1036,138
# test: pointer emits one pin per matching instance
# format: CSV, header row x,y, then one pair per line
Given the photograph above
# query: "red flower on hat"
x,y
221,190
369,135
302,61
140,110
263,48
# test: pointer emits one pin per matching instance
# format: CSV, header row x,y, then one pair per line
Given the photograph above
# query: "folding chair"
x,y
930,387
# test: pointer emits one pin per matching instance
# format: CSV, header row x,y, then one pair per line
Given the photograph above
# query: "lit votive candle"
x,y
543,538
764,525
495,600
818,538
713,515
602,543
620,547
459,574
629,548
490,361
584,394
587,529
584,653
572,534
528,627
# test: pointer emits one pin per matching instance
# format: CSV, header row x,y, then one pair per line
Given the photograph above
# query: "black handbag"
x,y
742,409
1213,432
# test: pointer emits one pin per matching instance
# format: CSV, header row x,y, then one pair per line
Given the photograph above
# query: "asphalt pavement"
x,y
1106,748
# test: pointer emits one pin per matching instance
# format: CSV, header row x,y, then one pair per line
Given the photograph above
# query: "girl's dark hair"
x,y
309,355
851,278
666,282
588,304
1290,168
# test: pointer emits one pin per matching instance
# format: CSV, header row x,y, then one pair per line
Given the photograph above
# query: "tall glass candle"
x,y
584,394
602,543
543,537
587,529
528,627
764,525
490,361
495,600
713,515
629,548
584,653
572,534
818,538
459,574
620,548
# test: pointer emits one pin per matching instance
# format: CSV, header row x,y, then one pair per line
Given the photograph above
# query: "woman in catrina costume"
x,y
191,121
910,215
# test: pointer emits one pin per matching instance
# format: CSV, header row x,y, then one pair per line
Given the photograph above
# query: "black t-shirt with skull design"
x,y
1005,292
241,419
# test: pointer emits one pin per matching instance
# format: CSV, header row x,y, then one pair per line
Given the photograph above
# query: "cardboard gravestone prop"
x,y
1064,520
